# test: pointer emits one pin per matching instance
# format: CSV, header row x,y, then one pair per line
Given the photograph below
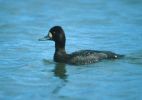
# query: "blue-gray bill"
x,y
44,39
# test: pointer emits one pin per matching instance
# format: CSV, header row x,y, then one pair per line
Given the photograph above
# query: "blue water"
x,y
27,71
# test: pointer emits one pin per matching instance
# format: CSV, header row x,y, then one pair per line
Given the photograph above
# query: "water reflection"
x,y
60,71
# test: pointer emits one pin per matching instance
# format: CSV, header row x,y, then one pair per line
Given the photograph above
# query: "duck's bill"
x,y
44,39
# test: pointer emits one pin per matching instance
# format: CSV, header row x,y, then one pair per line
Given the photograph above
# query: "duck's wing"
x,y
86,57
90,56
111,55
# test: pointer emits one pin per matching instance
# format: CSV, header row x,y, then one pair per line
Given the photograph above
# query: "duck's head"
x,y
55,34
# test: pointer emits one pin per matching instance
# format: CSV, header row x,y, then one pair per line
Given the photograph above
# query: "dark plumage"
x,y
57,35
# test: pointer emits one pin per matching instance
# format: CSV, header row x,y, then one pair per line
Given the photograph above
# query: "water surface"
x,y
27,70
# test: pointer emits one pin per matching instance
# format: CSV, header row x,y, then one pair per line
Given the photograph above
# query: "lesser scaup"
x,y
57,35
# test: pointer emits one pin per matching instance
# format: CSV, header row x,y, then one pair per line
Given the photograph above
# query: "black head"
x,y
57,35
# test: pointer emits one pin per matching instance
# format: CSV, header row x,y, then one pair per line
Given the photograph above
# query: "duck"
x,y
81,57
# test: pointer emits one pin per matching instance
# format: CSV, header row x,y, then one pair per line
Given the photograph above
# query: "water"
x,y
27,70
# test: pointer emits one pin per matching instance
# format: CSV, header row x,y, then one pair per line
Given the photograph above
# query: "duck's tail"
x,y
118,56
112,55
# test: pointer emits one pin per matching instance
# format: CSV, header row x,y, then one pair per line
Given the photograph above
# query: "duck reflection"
x,y
60,71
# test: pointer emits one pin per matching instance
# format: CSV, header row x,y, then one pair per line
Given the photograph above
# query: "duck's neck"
x,y
60,53
60,47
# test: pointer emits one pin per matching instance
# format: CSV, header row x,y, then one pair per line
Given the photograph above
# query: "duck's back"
x,y
90,56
